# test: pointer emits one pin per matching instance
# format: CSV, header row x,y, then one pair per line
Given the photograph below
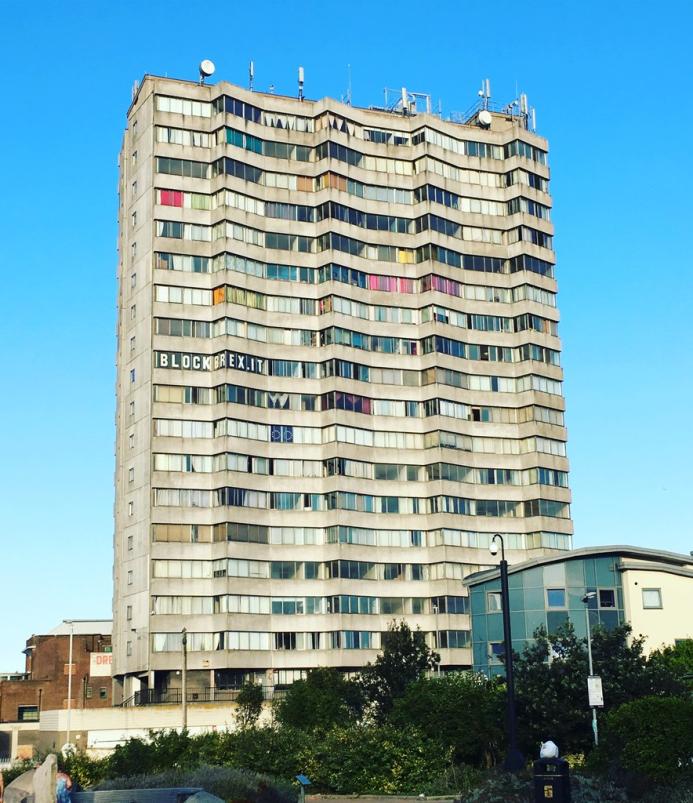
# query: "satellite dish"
x,y
485,118
206,68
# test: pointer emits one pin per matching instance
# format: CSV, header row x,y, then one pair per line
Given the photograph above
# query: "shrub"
x,y
228,783
443,707
651,739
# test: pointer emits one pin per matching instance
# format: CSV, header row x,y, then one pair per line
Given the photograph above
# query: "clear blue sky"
x,y
611,84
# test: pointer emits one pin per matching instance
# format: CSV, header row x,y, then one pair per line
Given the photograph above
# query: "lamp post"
x,y
514,760
184,677
435,611
588,596
69,680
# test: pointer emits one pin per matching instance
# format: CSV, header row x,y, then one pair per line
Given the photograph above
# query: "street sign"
x,y
594,691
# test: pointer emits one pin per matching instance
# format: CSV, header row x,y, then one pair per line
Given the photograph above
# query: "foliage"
x,y
375,759
83,770
249,703
324,699
676,660
17,769
443,708
650,741
228,783
405,658
552,695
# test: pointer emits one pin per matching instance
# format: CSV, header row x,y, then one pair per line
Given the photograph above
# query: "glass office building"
x,y
337,376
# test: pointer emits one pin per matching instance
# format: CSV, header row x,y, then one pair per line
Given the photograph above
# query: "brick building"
x,y
45,683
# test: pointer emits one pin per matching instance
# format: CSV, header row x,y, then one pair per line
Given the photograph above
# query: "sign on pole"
x,y
594,691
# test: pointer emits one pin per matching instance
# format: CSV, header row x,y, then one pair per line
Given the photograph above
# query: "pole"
x,y
595,728
184,678
69,682
514,760
435,611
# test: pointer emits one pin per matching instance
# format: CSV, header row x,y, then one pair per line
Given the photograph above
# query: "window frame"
x,y
652,607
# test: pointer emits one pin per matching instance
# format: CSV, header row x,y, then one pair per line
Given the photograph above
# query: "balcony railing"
x,y
199,695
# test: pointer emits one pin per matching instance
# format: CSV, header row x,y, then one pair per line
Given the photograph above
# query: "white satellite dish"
x,y
206,68
485,118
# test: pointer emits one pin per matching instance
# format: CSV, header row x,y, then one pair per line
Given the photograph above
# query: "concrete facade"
x,y
337,378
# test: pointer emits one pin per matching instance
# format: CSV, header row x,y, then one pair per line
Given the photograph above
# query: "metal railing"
x,y
206,694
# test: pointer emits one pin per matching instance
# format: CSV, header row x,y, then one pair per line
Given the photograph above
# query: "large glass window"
x,y
607,598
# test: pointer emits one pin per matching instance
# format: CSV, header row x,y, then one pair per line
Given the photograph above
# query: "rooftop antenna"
x,y
405,101
206,69
485,92
300,83
533,118
251,75
270,89
348,97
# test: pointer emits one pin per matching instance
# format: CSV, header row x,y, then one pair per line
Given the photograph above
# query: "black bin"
x,y
551,780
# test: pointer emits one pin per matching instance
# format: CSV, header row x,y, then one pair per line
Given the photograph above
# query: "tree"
x,y
442,708
324,699
249,702
677,661
551,683
405,658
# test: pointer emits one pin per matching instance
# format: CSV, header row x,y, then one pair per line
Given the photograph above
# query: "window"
x,y
128,613
494,602
28,713
131,508
103,692
496,651
88,692
607,598
128,648
555,597
130,577
651,598
133,250
133,279
133,312
134,189
131,474
131,408
131,543
131,440
134,158
134,219
132,376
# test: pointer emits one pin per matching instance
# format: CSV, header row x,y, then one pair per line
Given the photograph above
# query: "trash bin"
x,y
551,780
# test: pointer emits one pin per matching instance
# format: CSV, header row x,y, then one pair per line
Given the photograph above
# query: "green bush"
x,y
228,783
651,740
17,769
442,708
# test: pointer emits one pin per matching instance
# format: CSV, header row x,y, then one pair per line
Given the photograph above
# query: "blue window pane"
x,y
554,620
555,597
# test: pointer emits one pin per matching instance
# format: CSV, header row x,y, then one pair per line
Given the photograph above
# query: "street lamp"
x,y
69,681
435,611
586,599
184,677
514,760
